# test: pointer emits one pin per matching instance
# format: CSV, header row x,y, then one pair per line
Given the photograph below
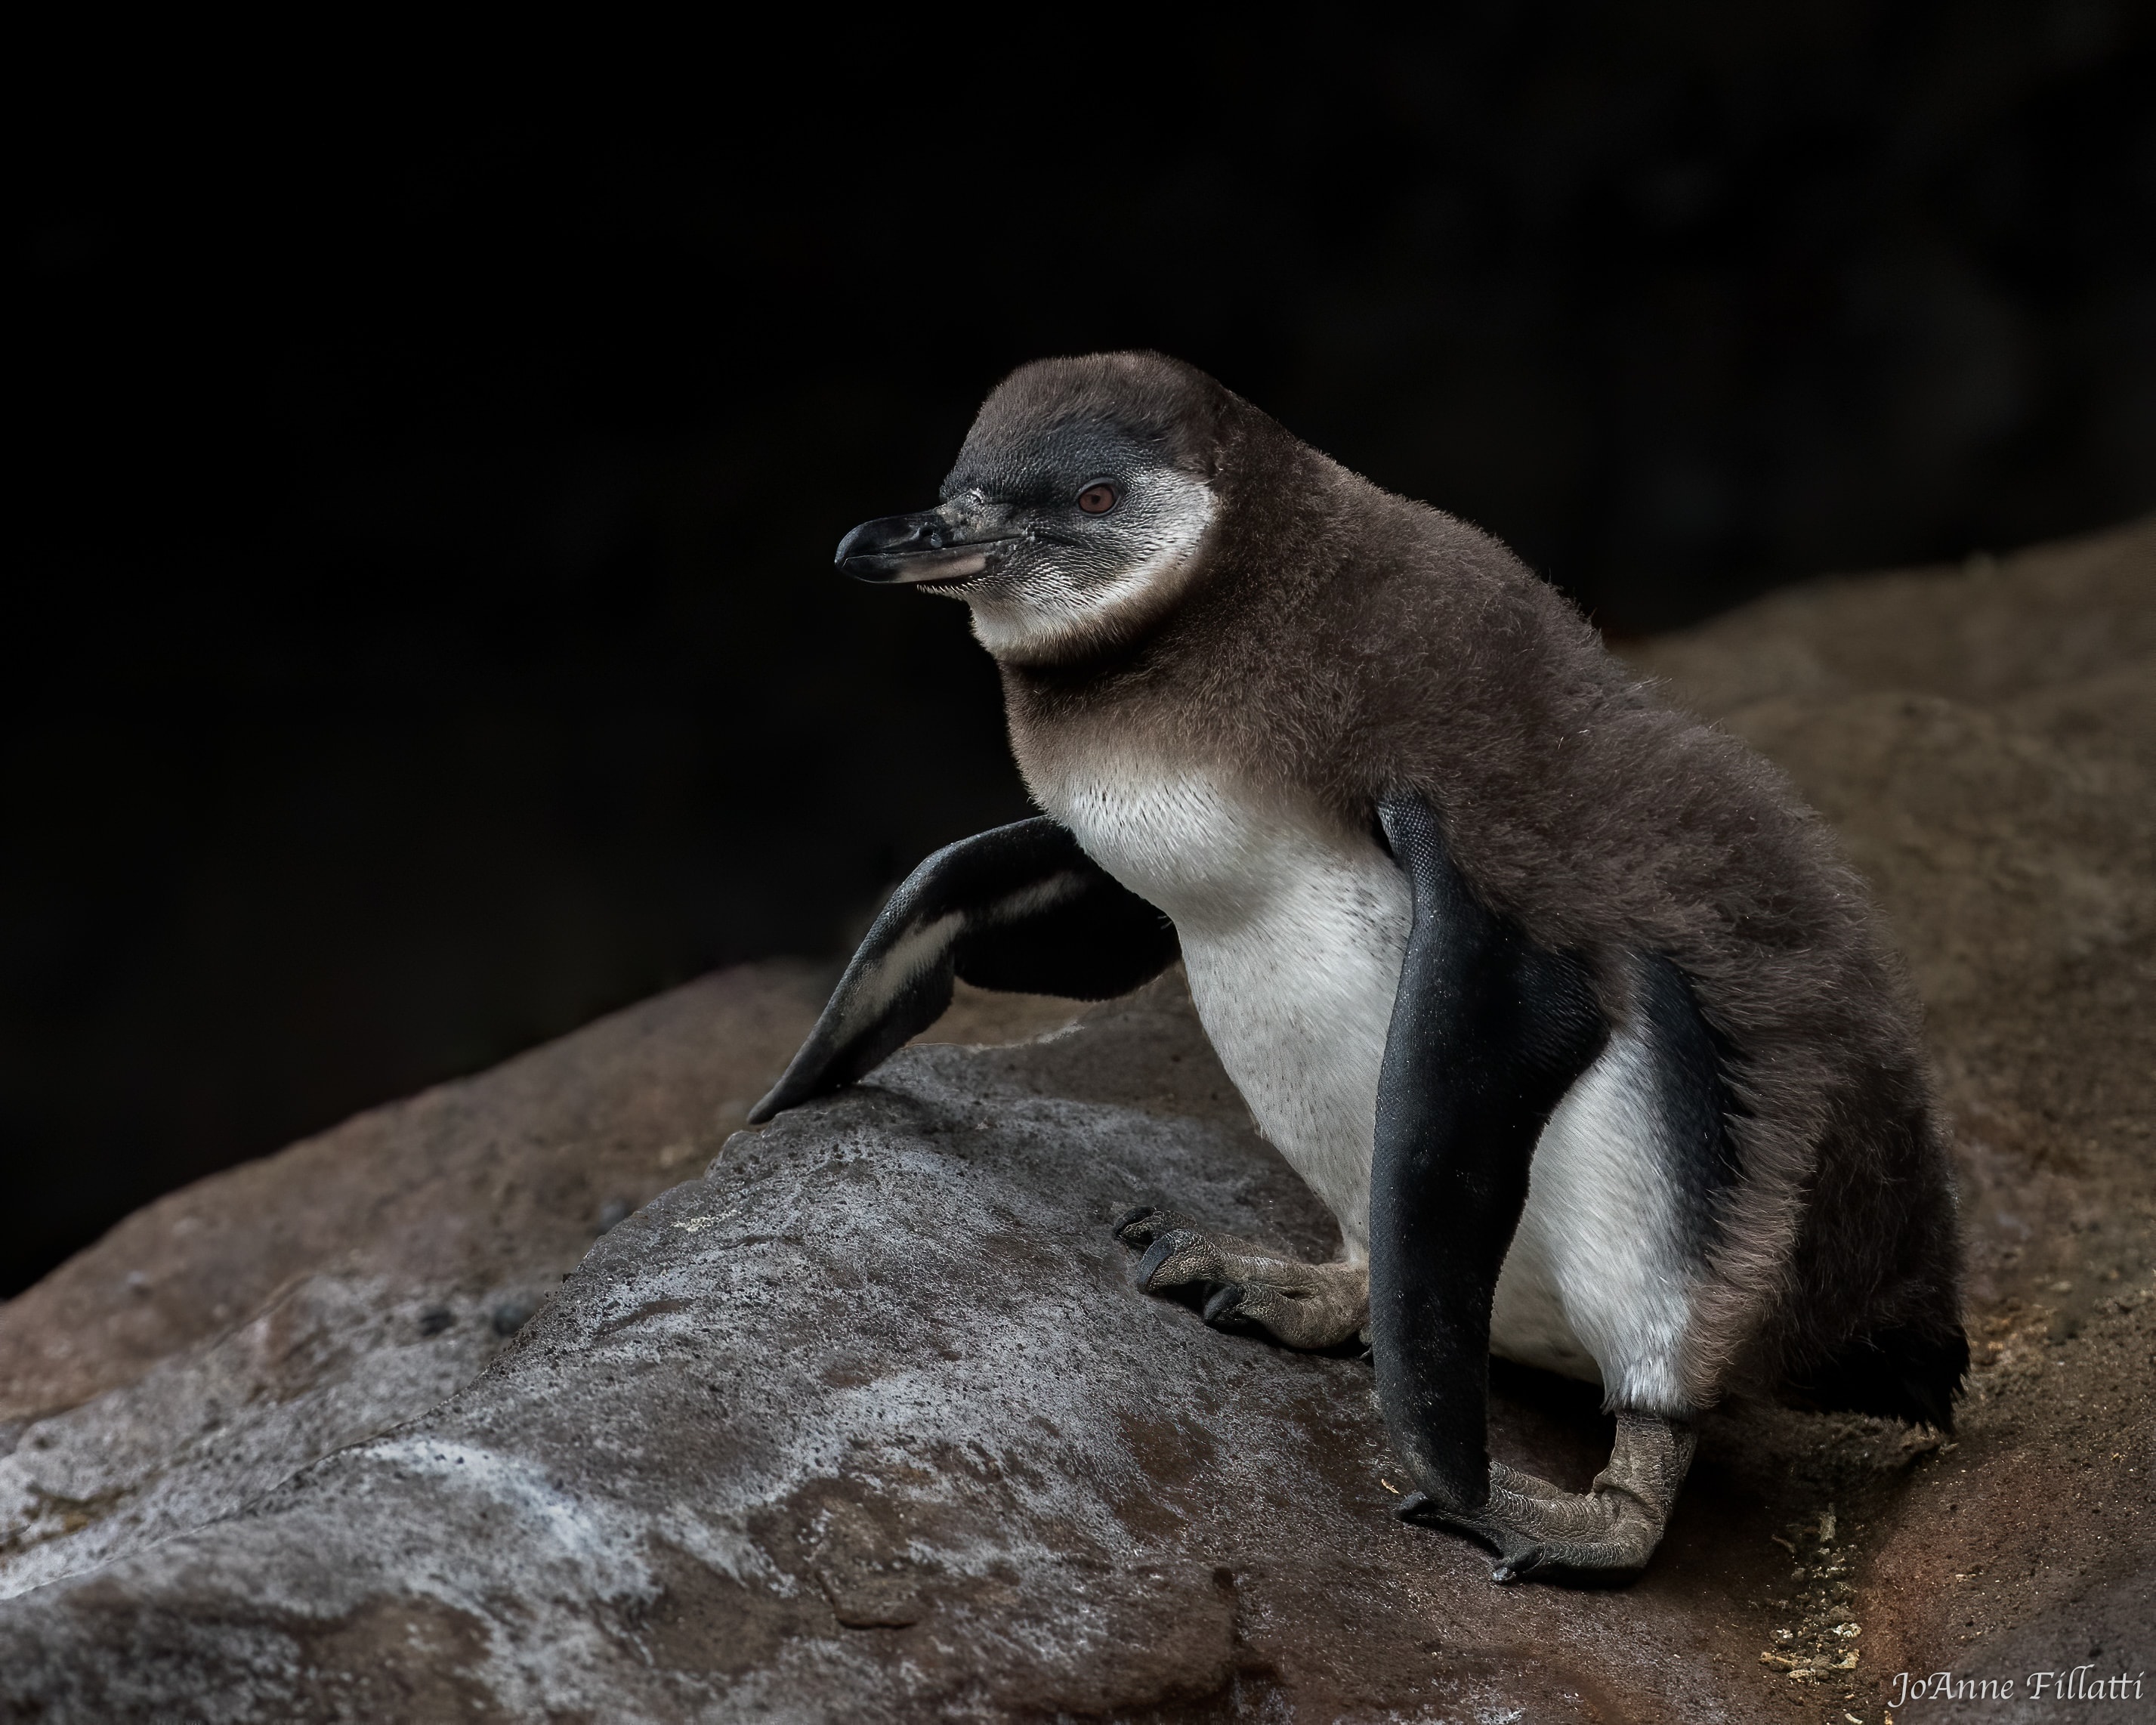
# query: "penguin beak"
x,y
924,550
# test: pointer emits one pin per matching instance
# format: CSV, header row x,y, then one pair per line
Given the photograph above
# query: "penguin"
x,y
1560,999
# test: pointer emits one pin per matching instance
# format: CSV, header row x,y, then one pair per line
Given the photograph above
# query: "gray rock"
x,y
329,1361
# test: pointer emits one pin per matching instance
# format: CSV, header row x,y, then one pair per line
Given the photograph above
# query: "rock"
x,y
496,1182
868,1422
493,1183
329,1361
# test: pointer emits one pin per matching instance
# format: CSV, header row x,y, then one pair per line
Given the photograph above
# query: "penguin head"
x,y
1078,510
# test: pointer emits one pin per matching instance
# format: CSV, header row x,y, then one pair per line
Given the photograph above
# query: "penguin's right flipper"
x,y
1019,908
1489,1030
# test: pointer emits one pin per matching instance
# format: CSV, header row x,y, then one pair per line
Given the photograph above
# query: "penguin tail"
x,y
1906,1373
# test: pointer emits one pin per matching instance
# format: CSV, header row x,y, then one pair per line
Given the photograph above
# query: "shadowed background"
x,y
423,637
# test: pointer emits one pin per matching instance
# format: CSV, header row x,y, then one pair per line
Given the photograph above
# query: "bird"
x,y
1559,998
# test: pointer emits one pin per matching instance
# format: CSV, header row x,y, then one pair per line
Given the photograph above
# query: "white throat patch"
x,y
1061,606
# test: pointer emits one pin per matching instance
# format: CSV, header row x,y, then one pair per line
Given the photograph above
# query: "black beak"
x,y
924,548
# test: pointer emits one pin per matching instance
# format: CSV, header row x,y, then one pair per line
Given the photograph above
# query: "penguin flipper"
x,y
1020,908
1488,1032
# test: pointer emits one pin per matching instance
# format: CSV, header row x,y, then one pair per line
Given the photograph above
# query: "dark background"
x,y
420,633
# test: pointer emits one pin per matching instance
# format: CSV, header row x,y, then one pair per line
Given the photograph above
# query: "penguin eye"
x,y
1098,498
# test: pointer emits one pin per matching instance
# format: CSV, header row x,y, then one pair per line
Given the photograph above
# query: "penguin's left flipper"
x,y
1019,908
1489,1031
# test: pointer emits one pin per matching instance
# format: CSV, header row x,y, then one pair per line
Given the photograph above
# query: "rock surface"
x,y
868,1423
490,1190
475,1194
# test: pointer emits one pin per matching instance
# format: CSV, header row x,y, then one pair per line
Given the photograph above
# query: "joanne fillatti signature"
x,y
2079,1683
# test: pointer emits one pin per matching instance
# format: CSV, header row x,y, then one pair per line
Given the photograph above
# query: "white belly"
x,y
1292,940
1293,934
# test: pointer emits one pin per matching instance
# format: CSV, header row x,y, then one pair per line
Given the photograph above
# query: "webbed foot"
x,y
1538,1529
1301,1305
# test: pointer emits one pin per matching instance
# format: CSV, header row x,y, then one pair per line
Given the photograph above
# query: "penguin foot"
x,y
1301,1305
1608,1534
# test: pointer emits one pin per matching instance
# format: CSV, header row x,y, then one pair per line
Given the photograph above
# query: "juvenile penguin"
x,y
1560,1000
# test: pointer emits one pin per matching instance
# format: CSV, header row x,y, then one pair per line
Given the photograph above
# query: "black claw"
x,y
1518,1563
1130,1220
1517,1556
1160,1251
1226,1302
